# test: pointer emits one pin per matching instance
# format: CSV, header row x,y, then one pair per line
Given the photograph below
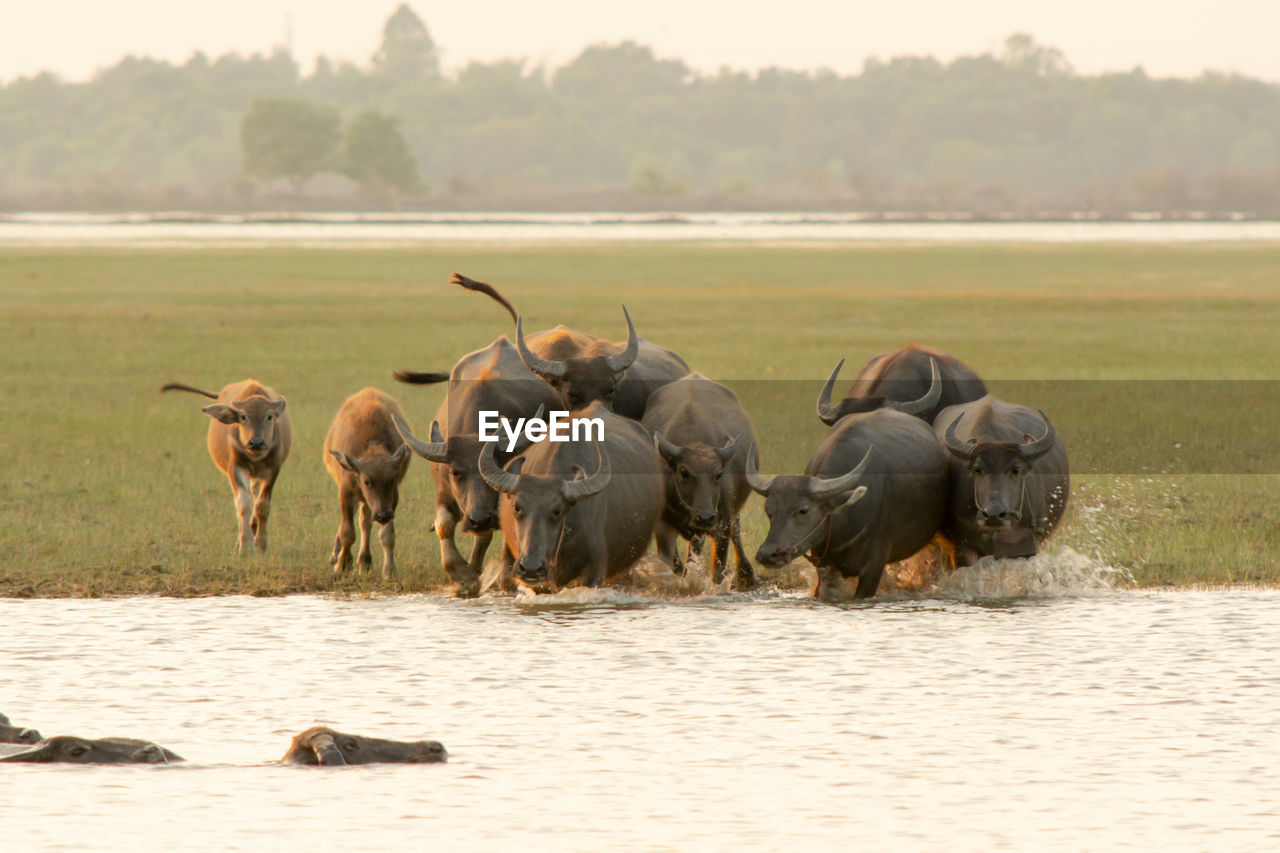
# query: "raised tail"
x,y
178,386
413,377
487,289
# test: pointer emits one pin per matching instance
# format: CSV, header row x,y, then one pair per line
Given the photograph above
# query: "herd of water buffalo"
x,y
318,745
918,452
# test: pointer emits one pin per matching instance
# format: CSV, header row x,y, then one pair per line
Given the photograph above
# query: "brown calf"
x,y
249,440
367,459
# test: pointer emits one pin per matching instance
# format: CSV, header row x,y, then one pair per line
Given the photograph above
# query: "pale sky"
x,y
1167,37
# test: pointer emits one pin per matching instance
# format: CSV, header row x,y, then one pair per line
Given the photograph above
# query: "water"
x,y
187,229
611,720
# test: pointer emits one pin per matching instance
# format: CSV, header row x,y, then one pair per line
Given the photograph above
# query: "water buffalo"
x,y
1008,488
9,733
65,749
703,434
583,368
490,379
563,525
907,380
874,492
367,458
249,441
321,745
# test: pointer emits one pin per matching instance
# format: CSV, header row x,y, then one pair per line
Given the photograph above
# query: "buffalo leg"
x,y
746,573
475,566
244,510
387,536
365,558
455,566
262,509
664,538
341,558
719,554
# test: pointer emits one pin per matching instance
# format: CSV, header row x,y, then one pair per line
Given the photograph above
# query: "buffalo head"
x,y
321,745
800,508
998,470
65,749
534,509
255,420
694,477
829,412
581,380
379,474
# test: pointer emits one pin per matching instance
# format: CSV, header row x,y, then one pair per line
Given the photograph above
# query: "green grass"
x,y
108,488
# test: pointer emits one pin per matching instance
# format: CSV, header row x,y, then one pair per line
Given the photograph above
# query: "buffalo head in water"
x,y
9,733
323,746
65,749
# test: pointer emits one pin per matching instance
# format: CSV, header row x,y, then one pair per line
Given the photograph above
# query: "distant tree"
x,y
408,51
288,139
376,155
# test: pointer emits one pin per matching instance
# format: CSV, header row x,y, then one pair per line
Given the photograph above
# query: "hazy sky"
x,y
1167,37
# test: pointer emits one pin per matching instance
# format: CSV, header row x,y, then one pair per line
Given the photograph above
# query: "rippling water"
x,y
604,720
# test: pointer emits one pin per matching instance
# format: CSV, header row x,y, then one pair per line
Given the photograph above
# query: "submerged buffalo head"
x,y
829,412
9,733
578,381
694,475
321,745
65,749
379,474
255,420
998,470
800,508
534,509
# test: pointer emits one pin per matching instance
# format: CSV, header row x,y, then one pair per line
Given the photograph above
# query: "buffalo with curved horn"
x,y
1009,490
916,380
582,368
562,525
874,492
492,379
702,433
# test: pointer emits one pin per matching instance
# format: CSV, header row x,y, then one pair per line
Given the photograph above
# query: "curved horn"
x,y
623,360
503,481
730,447
540,366
963,451
758,484
930,398
435,450
827,413
576,490
819,487
668,451
1033,450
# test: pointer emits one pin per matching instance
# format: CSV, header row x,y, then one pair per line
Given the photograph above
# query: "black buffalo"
x,y
915,379
874,492
1009,478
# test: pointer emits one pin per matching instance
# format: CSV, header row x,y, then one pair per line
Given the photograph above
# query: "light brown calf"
x,y
249,440
367,459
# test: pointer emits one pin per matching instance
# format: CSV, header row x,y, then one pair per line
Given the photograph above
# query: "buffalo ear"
x,y
279,405
854,496
222,412
346,461
578,471
401,457
515,465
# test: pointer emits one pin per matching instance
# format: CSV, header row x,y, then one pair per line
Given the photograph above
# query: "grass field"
x,y
108,488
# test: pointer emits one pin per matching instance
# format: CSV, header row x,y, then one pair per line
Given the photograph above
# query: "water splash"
x,y
1062,572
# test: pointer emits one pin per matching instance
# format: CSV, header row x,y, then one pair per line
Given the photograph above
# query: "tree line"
x,y
1015,130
